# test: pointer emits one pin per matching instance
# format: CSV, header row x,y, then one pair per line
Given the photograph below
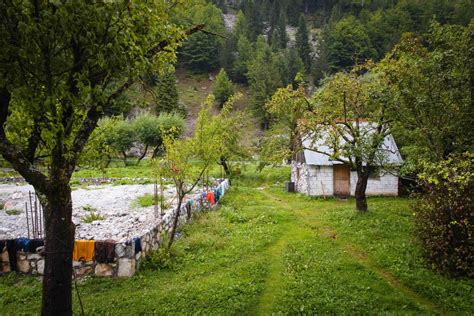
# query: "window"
x,y
374,173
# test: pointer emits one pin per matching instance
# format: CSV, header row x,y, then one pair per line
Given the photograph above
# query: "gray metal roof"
x,y
388,150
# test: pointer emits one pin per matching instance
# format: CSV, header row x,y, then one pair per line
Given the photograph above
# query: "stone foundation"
x,y
126,261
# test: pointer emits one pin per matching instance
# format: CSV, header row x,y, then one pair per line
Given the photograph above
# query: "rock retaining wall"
x,y
127,259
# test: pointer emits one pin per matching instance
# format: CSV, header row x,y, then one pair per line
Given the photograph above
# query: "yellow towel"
x,y
83,250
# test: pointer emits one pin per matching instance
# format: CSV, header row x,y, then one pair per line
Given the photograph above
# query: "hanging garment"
x,y
216,195
3,243
104,251
35,244
210,198
83,250
11,248
189,211
138,244
22,244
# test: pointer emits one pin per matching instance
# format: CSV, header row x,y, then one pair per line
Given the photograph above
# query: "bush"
x,y
160,259
445,215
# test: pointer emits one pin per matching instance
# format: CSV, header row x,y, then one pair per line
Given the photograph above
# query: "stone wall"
x,y
127,260
319,181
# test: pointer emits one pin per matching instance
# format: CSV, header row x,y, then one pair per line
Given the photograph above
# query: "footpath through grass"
x,y
265,251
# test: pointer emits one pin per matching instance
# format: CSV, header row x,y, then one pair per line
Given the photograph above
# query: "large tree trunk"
x,y
59,243
361,186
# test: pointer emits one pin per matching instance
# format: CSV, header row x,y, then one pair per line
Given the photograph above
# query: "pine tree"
x,y
264,79
201,51
223,88
166,94
243,56
302,43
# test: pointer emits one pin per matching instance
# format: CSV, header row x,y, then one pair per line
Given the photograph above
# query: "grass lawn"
x,y
266,251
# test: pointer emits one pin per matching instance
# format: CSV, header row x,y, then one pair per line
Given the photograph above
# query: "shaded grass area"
x,y
266,251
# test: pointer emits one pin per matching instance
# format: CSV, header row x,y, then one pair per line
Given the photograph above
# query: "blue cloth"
x,y
138,244
35,244
203,195
23,244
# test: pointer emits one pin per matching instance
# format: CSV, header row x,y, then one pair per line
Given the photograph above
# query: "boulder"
x,y
126,267
104,270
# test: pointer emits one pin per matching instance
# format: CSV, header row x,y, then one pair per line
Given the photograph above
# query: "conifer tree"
x,y
302,43
242,59
223,88
264,79
166,93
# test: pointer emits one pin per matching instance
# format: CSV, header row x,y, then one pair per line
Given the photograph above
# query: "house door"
x,y
341,180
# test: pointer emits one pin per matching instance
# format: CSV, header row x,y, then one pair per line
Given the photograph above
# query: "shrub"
x,y
160,259
445,215
92,217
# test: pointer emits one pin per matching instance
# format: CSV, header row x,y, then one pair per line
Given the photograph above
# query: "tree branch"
x,y
18,160
93,115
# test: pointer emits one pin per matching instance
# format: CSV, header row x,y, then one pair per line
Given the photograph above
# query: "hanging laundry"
x,y
22,244
83,250
11,248
35,244
138,244
189,211
3,243
210,198
104,251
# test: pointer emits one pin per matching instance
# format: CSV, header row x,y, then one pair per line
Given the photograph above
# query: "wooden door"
x,y
341,180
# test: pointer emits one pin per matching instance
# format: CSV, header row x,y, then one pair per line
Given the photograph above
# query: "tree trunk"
x,y
124,158
223,163
59,243
142,155
361,186
175,221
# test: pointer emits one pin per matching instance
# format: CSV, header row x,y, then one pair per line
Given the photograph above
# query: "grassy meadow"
x,y
265,251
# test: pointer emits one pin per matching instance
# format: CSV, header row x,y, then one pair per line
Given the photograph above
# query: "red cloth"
x,y
210,197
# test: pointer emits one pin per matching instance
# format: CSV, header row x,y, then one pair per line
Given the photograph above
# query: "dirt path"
x,y
305,224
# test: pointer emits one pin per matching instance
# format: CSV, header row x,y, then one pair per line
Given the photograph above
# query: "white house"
x,y
316,174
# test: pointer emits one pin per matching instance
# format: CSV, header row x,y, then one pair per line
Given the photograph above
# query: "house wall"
x,y
319,181
386,184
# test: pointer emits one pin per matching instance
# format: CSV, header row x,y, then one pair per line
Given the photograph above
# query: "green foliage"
x,y
92,217
223,88
263,78
148,200
302,43
147,129
445,214
89,208
13,212
244,55
122,137
430,86
166,98
348,44
200,53
160,259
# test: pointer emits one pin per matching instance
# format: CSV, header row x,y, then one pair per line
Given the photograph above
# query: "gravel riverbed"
x,y
123,217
